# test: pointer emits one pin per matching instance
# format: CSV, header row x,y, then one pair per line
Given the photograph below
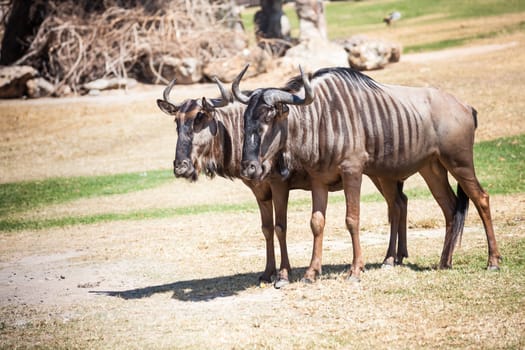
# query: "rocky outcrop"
x,y
22,81
369,54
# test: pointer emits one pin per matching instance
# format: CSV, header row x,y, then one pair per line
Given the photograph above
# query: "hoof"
x,y
353,279
264,282
282,282
387,266
307,280
493,268
389,261
399,260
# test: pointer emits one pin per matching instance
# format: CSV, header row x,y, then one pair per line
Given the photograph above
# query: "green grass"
x,y
15,197
8,224
347,18
442,44
159,213
500,166
364,13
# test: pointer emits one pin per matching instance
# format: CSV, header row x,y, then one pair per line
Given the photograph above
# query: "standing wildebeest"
x,y
347,125
210,139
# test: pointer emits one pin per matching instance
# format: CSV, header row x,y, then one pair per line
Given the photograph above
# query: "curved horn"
x,y
308,91
167,90
225,93
235,87
166,95
280,96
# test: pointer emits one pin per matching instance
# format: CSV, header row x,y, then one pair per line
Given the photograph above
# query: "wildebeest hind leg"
x,y
470,184
436,178
392,194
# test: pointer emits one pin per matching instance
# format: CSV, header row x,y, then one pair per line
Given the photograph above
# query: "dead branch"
x,y
73,46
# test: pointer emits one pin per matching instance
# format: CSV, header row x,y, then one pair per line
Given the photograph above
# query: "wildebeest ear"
x,y
213,126
207,106
167,107
209,109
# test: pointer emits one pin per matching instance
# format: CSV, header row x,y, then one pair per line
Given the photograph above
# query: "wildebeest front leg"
x,y
317,222
280,200
352,188
266,211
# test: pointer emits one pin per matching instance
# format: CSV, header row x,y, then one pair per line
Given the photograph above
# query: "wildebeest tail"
x,y
460,214
475,117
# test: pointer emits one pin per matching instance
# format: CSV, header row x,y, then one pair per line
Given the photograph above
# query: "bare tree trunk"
x,y
312,23
268,19
272,29
24,20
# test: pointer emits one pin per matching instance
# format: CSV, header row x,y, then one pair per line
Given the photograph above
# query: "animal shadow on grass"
x,y
207,289
410,266
204,289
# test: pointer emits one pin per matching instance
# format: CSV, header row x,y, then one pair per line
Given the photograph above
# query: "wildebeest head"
x,y
196,127
265,125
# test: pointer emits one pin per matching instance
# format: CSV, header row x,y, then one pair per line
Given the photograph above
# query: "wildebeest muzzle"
x,y
183,168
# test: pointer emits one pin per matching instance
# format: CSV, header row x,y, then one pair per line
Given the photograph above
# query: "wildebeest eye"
x,y
199,118
198,122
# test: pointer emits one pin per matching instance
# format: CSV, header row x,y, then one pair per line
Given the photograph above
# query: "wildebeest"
x,y
343,124
210,140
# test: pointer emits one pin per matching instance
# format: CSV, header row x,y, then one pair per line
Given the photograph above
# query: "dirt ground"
x,y
190,282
